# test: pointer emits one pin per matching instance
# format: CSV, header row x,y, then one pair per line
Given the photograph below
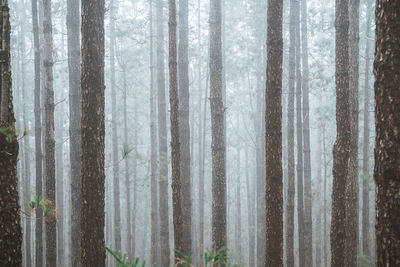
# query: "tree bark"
x,y
341,151
273,124
387,124
93,131
50,223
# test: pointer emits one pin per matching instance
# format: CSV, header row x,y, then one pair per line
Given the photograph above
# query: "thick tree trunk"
x,y
50,223
93,131
290,138
387,124
341,151
273,126
217,130
11,233
162,140
183,85
366,176
352,175
175,145
75,114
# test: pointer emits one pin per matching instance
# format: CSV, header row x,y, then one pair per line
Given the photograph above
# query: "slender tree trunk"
x,y
352,175
318,245
238,223
75,114
11,233
60,182
387,146
50,225
325,228
366,135
290,142
134,172
93,131
308,248
175,145
273,126
162,140
250,212
115,153
341,152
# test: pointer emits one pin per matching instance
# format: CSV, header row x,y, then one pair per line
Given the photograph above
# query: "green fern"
x,y
122,259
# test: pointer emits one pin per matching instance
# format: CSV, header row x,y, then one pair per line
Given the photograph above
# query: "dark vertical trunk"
x,y
116,193
217,130
162,140
175,145
273,127
250,212
93,131
387,124
38,136
75,114
366,176
342,145
50,223
290,142
308,250
11,234
352,175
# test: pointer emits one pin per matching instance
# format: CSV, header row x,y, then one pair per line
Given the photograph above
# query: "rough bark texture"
x,y
175,145
116,192
38,136
290,142
92,168
217,130
184,127
162,140
10,232
75,114
352,176
366,176
308,247
387,124
50,222
273,124
341,150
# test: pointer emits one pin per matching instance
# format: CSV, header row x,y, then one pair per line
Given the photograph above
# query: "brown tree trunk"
x,y
175,145
162,140
183,85
341,151
217,130
387,124
75,114
93,131
290,142
352,175
11,232
366,176
50,223
273,125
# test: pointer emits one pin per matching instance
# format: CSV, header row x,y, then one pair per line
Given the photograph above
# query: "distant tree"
x,y
387,125
93,131
11,232
273,124
341,151
50,224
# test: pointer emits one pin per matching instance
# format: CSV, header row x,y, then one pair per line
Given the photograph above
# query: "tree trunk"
x,y
50,224
366,176
290,138
135,144
325,227
238,225
352,175
250,212
341,151
11,233
318,245
162,140
217,130
183,85
273,126
175,145
387,146
93,130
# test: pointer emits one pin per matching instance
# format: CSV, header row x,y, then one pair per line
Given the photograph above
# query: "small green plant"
x,y
183,260
217,258
47,206
9,132
363,260
123,261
